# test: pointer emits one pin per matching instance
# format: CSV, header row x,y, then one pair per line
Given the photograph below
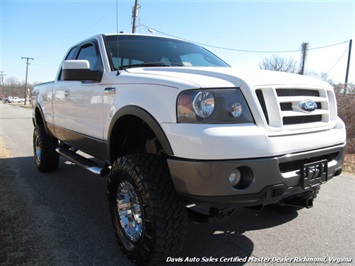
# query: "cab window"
x,y
88,52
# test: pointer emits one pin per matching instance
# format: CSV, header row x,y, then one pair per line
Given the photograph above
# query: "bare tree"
x,y
346,109
13,87
323,76
278,63
290,65
13,82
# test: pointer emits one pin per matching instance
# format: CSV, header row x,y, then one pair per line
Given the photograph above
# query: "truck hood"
x,y
217,77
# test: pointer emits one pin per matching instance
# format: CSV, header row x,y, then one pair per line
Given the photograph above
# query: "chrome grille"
x,y
282,107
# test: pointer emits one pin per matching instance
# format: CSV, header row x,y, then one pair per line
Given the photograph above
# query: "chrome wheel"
x,y
38,151
149,218
44,153
129,211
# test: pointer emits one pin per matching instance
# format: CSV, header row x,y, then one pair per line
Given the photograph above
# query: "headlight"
x,y
213,106
203,104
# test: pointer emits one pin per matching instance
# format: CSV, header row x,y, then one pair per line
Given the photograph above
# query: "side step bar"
x,y
83,162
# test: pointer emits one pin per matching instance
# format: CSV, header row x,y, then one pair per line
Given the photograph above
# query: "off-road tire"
x,y
163,214
44,145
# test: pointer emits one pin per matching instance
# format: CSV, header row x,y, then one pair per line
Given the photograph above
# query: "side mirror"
x,y
79,70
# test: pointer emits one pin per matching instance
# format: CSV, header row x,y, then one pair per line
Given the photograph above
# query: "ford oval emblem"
x,y
308,105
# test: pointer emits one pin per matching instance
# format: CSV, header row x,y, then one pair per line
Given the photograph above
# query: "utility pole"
x,y
303,58
348,65
135,15
27,63
2,92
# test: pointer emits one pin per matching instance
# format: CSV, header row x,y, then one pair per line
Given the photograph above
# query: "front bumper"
x,y
269,179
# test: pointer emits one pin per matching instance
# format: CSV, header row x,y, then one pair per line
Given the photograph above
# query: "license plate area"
x,y
314,174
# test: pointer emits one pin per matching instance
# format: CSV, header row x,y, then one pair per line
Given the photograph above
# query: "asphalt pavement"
x,y
62,218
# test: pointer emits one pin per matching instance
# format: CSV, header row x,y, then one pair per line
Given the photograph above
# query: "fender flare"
x,y
147,118
34,115
37,108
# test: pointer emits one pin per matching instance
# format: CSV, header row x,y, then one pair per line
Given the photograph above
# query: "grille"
x,y
291,120
261,99
288,106
296,92
281,106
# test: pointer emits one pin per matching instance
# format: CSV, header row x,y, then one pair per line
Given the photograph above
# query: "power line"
x,y
243,50
337,61
76,37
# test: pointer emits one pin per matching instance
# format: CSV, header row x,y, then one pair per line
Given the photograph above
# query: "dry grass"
x,y
346,111
349,163
4,153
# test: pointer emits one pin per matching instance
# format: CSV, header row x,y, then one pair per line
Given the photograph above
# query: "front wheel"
x,y
44,145
148,217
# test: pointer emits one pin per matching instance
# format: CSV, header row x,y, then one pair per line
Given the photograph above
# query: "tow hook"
x,y
204,215
304,200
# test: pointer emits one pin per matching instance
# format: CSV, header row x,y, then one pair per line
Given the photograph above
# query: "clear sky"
x,y
45,30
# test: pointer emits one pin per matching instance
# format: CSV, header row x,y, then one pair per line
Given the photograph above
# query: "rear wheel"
x,y
44,145
148,217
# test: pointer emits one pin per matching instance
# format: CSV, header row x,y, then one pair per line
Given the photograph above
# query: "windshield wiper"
x,y
150,64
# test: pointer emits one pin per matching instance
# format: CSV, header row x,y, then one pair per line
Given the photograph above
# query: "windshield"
x,y
126,51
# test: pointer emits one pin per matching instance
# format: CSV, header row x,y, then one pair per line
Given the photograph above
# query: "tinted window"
x,y
125,50
71,54
88,52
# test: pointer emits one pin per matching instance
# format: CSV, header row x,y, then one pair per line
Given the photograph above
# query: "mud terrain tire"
x,y
148,218
46,158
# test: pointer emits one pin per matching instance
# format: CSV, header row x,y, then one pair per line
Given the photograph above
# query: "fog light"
x,y
236,110
234,177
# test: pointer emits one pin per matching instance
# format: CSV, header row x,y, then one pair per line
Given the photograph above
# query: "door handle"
x,y
110,90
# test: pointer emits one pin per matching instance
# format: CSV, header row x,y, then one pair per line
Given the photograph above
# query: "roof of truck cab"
x,y
141,35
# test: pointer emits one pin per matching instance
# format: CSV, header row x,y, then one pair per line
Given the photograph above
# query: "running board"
x,y
83,162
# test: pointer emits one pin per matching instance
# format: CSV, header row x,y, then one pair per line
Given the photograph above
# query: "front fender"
x,y
144,116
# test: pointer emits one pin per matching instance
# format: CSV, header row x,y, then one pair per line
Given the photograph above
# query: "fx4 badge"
x,y
308,105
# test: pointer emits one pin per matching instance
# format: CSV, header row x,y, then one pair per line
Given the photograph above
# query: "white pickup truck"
x,y
183,136
14,100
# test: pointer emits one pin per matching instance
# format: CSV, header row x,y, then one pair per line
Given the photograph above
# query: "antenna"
x,y
117,16
117,39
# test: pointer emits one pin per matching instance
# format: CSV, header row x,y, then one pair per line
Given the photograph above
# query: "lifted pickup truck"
x,y
183,136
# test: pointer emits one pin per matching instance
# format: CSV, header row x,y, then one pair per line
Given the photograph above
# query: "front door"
x,y
78,105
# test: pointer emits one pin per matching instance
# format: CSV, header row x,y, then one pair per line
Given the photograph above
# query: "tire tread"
x,y
165,214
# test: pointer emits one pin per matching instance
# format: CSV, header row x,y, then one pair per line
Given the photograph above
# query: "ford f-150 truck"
x,y
183,136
